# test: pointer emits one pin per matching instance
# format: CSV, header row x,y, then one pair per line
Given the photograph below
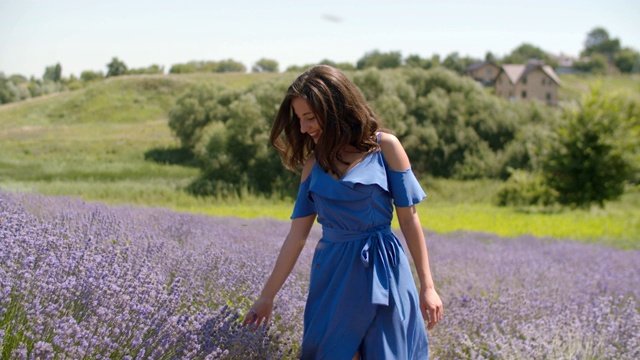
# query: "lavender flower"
x,y
84,280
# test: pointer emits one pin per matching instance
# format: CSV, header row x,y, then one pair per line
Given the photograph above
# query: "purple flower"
x,y
85,280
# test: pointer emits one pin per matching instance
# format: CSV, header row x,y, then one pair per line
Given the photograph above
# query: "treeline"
x,y
450,126
601,54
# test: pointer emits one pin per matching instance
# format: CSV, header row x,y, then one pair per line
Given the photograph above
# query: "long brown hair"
x,y
342,112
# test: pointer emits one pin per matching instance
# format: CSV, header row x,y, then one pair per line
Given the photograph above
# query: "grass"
x,y
91,143
573,85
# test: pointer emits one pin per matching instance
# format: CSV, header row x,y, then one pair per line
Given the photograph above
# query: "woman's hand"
x,y
431,306
260,312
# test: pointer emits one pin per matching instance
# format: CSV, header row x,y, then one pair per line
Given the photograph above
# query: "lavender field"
x,y
89,281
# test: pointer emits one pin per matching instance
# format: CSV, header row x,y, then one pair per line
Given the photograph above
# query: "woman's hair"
x,y
342,113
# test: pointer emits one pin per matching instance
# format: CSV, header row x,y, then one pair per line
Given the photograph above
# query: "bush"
x,y
525,189
449,125
229,135
200,106
591,157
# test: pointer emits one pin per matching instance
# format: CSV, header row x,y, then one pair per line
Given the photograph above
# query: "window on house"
x,y
524,80
524,94
543,81
548,96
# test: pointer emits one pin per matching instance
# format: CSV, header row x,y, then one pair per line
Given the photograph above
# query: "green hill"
x,y
98,142
92,142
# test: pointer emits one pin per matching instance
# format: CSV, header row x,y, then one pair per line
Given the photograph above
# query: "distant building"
x,y
565,64
484,72
526,82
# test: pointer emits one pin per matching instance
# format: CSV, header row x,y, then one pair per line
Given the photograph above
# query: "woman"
x,y
362,299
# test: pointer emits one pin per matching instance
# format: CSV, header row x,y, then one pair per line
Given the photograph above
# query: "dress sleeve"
x,y
405,188
304,204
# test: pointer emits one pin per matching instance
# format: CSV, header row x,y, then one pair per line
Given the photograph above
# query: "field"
x,y
104,255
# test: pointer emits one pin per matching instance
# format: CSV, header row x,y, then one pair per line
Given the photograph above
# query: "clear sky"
x,y
87,34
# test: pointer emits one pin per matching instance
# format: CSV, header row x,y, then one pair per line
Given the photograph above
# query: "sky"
x,y
86,34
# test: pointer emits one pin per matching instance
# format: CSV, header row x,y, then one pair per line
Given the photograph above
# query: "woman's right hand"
x,y
260,312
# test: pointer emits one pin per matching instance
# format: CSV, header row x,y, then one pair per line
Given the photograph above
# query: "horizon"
x,y
86,35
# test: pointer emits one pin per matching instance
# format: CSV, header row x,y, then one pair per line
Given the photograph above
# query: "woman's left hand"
x,y
431,306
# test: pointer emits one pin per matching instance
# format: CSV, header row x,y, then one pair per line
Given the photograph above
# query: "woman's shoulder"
x,y
393,152
307,167
386,139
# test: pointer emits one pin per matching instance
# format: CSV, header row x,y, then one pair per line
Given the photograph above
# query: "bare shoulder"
x,y
306,169
394,152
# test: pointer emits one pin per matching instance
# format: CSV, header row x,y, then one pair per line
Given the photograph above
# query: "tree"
x,y
526,52
590,159
456,63
200,106
418,62
151,69
344,66
596,63
625,59
415,60
182,69
116,68
265,65
5,92
89,75
53,73
380,60
230,65
598,41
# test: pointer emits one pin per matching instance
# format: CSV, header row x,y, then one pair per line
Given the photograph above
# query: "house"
x,y
565,63
526,82
484,72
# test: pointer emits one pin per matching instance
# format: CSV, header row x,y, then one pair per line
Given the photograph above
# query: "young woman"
x,y
362,301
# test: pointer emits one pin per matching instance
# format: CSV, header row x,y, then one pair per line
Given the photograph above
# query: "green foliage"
x,y
89,75
625,59
380,60
456,129
344,66
223,66
449,125
525,52
599,42
240,157
591,157
596,64
458,64
230,65
415,60
265,65
524,189
200,106
14,88
149,70
116,67
118,149
53,73
228,133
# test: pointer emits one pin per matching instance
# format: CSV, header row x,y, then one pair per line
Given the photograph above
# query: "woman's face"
x,y
308,121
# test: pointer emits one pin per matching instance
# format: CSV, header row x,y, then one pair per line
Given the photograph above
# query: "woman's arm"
x,y
430,302
287,258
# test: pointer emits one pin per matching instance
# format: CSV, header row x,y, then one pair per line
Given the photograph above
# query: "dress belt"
x,y
380,252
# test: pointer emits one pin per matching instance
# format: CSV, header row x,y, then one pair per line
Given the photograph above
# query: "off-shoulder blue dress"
x,y
362,295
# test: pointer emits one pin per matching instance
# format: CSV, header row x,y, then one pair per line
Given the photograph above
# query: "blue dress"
x,y
362,295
